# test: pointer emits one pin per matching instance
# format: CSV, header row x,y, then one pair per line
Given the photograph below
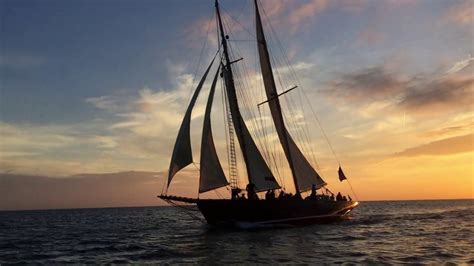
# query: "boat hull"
x,y
289,212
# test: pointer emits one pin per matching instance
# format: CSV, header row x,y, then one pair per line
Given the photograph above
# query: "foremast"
x,y
258,171
230,88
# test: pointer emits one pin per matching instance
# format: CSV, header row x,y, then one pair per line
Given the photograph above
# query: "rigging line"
x,y
312,110
304,138
218,194
244,93
224,112
201,55
350,185
247,91
295,77
186,210
241,155
236,21
164,188
265,138
237,40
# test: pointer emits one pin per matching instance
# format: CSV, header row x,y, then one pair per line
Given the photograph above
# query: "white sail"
x,y
182,153
211,174
303,173
257,169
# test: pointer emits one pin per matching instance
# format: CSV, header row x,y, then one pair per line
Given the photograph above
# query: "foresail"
x,y
304,174
211,174
182,153
257,169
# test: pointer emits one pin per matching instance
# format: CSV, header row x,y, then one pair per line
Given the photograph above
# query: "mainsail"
x,y
182,153
211,174
257,169
304,174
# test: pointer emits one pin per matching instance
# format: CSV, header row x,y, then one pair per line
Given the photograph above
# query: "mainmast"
x,y
304,175
273,96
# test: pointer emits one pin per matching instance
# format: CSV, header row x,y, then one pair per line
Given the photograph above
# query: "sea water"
x,y
393,232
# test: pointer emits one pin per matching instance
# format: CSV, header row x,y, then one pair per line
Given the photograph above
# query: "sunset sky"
x,y
93,90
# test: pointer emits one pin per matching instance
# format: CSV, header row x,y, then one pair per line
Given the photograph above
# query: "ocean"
x,y
388,232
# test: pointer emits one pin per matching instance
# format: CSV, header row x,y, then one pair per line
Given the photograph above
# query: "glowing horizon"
x,y
99,88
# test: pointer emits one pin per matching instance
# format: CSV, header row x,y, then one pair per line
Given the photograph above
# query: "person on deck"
x,y
281,195
251,194
235,193
350,199
270,195
338,196
313,195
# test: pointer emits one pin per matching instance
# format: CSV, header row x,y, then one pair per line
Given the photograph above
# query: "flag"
x,y
342,177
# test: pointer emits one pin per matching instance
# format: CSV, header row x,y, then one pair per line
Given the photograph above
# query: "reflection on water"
x,y
380,232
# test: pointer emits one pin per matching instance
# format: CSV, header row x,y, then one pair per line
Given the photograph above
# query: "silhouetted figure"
x,y
313,195
270,195
344,198
338,196
251,194
281,195
235,193
332,197
350,199
297,196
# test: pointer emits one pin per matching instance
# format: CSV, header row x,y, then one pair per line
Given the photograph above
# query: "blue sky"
x,y
101,86
58,53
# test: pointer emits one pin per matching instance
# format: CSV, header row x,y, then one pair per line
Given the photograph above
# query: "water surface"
x,y
379,232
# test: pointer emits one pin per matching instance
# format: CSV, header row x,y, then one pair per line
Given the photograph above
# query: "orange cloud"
x,y
308,11
461,13
459,144
449,130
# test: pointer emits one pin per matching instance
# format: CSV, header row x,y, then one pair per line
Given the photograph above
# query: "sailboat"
x,y
250,209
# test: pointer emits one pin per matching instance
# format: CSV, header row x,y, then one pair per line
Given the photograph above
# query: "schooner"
x,y
237,209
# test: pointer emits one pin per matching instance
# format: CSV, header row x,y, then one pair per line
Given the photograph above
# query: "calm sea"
x,y
417,232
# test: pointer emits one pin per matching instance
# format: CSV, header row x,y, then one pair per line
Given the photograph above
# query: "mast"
x,y
258,171
304,175
276,101
231,89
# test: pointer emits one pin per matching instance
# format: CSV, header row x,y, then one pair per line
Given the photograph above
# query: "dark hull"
x,y
289,212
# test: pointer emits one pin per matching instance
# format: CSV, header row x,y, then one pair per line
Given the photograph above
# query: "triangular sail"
x,y
211,174
257,169
182,153
303,173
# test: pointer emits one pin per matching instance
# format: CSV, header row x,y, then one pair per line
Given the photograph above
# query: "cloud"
x,y
459,144
366,85
108,103
419,94
307,11
461,13
26,192
449,130
459,66
440,95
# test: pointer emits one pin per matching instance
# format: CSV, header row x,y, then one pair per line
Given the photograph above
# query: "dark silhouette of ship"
x,y
250,210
